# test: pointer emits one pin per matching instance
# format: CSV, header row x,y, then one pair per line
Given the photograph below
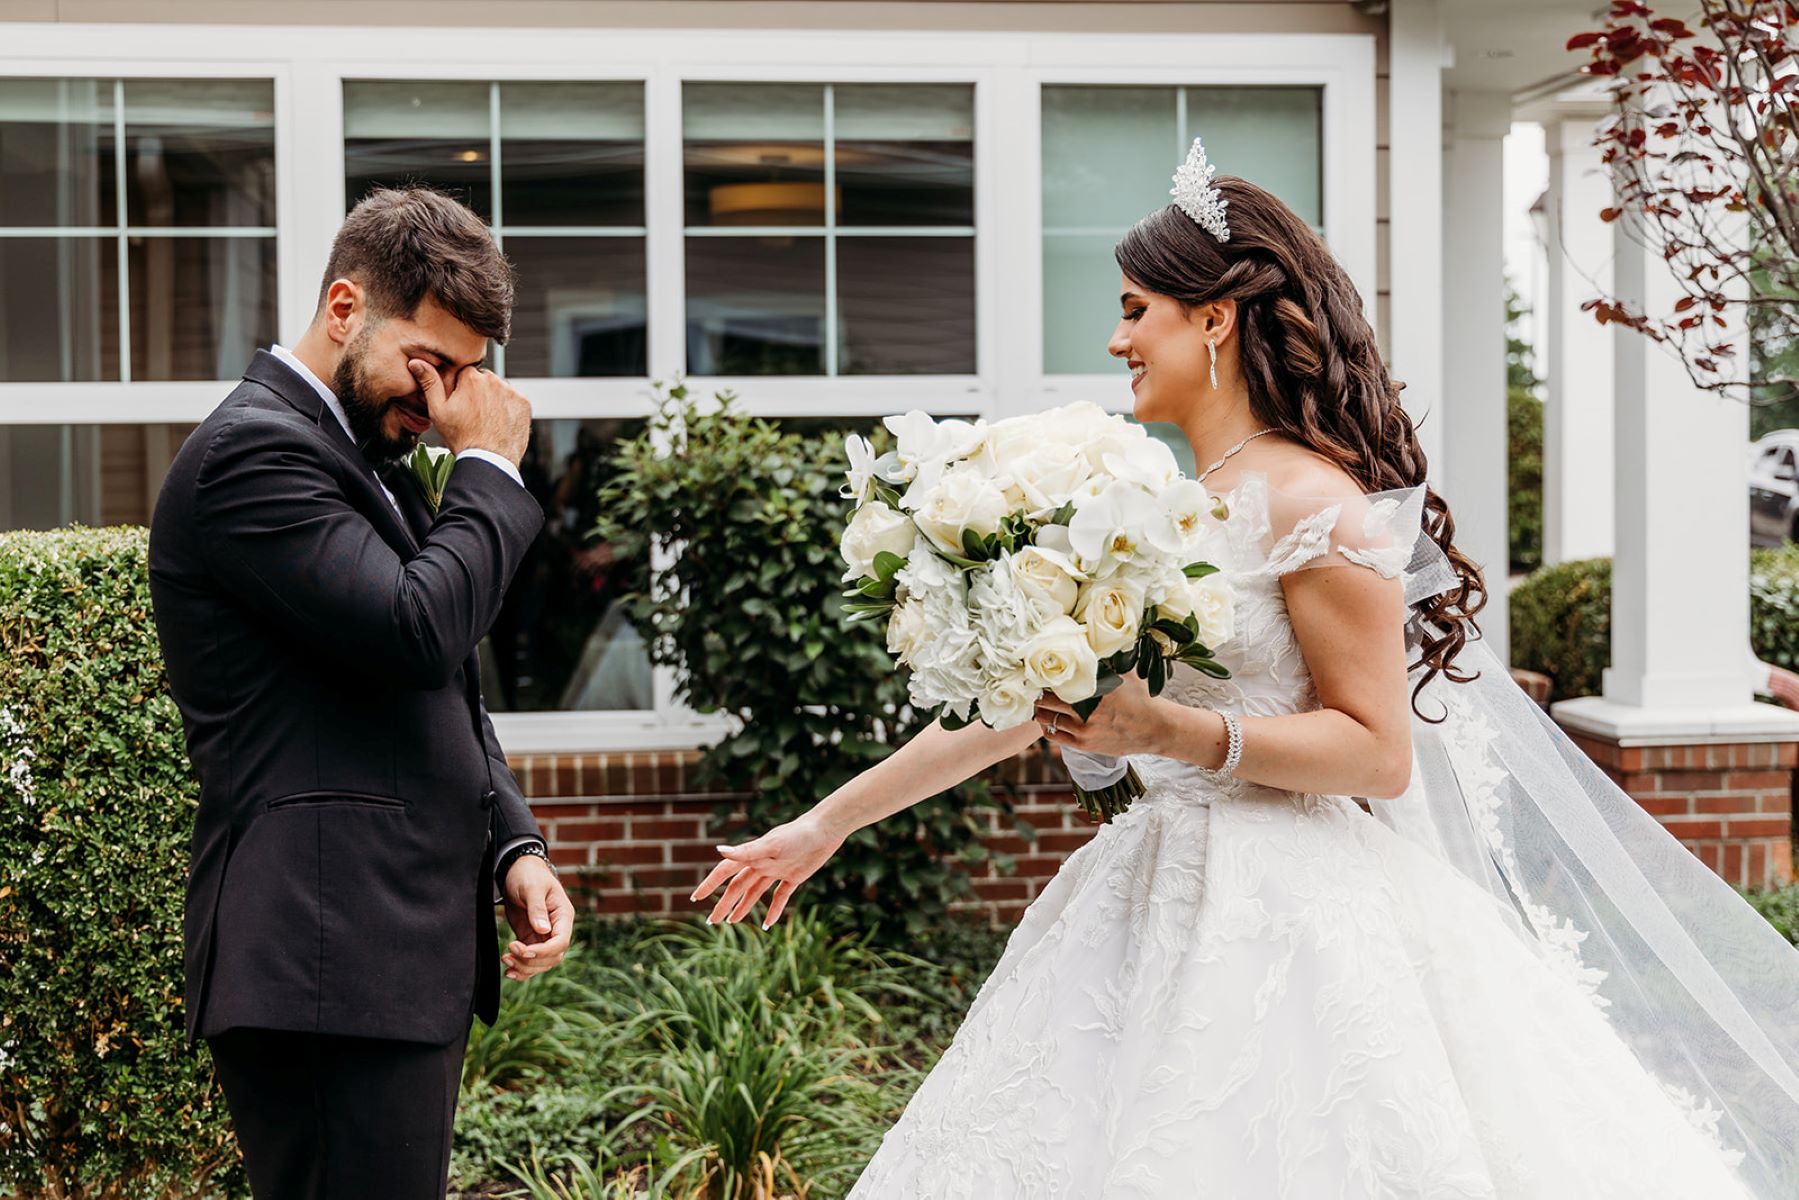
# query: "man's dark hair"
x,y
403,244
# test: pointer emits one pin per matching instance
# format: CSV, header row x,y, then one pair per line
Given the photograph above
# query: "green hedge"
x,y
1562,618
97,1094
750,615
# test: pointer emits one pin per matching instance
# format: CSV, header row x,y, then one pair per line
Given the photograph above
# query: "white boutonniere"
x,y
431,465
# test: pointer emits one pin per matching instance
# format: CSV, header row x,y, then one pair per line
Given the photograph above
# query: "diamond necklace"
x,y
1252,437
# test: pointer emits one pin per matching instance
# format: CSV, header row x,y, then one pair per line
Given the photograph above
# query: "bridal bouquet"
x,y
1053,552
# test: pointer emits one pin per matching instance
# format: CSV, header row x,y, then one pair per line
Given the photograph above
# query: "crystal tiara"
x,y
1194,194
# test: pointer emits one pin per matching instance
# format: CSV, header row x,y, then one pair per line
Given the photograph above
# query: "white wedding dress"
x,y
1239,992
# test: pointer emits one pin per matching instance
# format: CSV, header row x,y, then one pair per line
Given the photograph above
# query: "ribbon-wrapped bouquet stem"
x,y
1054,552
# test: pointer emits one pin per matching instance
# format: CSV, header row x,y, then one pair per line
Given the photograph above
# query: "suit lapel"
x,y
300,395
400,482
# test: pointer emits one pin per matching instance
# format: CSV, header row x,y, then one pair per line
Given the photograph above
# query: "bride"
x,y
1491,976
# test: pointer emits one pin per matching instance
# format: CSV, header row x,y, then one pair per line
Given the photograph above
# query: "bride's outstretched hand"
x,y
786,855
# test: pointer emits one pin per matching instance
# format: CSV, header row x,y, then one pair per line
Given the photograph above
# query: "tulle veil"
x,y
1701,988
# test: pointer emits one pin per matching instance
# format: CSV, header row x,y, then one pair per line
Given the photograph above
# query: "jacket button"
x,y
487,798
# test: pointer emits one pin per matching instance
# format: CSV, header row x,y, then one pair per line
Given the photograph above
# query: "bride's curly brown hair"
x,y
1312,365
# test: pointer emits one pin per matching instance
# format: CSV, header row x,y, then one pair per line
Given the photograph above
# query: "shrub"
x,y
1562,625
750,613
1524,479
97,799
1780,906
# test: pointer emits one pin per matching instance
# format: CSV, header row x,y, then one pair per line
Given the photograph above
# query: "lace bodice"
x,y
1265,534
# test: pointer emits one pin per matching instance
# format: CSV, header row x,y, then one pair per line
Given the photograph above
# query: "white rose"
x,y
1008,701
1058,658
1050,475
1213,604
905,629
1049,580
965,498
1112,611
874,529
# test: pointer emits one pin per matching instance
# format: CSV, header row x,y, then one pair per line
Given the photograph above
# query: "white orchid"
x,y
1113,529
861,454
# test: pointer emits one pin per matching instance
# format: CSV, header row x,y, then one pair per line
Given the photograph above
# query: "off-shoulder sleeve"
x,y
1380,531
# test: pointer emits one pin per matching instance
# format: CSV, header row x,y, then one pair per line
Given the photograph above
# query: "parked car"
x,y
1774,488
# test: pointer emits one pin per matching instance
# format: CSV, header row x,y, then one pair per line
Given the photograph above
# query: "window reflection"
x,y
197,160
563,639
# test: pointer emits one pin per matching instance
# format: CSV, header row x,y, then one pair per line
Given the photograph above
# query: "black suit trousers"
x,y
327,1117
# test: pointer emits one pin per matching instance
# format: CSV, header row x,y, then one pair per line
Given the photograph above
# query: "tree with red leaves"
x,y
1703,147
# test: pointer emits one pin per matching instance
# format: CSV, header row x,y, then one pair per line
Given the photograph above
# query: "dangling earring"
x,y
1213,347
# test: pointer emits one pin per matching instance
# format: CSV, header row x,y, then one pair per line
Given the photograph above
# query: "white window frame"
x,y
308,66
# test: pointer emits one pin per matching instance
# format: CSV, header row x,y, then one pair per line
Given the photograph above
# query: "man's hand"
x,y
483,413
540,914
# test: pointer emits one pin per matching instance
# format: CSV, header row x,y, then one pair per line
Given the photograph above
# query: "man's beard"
x,y
366,410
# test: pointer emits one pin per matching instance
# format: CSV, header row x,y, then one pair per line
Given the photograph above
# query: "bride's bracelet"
x,y
1233,753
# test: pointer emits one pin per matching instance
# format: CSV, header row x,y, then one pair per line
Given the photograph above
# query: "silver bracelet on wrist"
x,y
1233,753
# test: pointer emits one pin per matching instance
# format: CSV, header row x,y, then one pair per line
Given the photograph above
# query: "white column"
x,y
1417,53
1473,474
1577,407
1680,576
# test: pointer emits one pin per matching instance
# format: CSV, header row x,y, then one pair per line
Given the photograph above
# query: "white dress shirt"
x,y
337,410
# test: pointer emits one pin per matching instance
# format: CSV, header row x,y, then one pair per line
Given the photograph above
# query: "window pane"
x,y
59,309
1108,156
754,153
50,476
571,153
905,305
200,152
56,157
905,154
200,306
563,640
755,306
431,133
1273,136
580,307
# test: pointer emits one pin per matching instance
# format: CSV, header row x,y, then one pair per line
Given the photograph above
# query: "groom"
x,y
357,820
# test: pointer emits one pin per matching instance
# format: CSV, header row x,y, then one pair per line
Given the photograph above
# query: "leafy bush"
x,y
97,1094
759,1061
1524,479
1774,605
1562,624
573,1116
1524,457
1780,906
750,612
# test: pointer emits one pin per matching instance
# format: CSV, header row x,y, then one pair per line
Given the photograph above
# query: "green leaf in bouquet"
x,y
1157,674
1063,515
976,547
1174,631
1125,661
1084,708
1192,624
887,564
1211,667
1199,570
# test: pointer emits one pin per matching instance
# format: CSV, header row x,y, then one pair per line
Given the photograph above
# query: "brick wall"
x,y
632,835
1729,803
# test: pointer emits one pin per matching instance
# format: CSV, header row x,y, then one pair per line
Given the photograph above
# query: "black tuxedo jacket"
x,y
322,653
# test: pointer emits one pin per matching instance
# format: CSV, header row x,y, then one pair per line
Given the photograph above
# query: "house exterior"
x,y
837,210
